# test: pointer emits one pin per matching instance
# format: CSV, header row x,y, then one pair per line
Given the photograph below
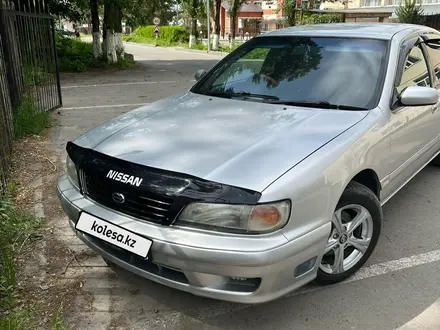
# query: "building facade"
x,y
429,7
248,19
254,17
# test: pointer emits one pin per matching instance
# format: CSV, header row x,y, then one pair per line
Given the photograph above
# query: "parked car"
x,y
271,171
65,32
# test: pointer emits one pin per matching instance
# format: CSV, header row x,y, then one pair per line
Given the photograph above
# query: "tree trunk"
x,y
193,35
119,46
233,28
97,51
111,17
216,38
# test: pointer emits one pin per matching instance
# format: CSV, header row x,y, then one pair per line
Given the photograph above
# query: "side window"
x,y
415,72
434,57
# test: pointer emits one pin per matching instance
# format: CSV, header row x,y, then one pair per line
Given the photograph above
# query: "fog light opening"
x,y
304,267
238,278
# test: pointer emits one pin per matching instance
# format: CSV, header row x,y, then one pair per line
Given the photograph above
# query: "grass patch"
x,y
169,35
221,47
75,55
58,323
28,120
152,41
16,227
34,76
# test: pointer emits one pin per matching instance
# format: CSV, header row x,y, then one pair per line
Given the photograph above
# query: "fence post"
x,y
11,54
56,62
6,126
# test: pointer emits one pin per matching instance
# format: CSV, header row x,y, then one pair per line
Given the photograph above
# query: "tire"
x,y
356,203
436,161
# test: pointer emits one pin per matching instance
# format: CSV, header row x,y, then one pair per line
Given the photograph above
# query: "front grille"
x,y
140,204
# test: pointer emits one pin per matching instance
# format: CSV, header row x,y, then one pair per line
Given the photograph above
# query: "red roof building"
x,y
254,17
248,19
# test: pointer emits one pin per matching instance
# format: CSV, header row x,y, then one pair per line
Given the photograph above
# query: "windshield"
x,y
306,71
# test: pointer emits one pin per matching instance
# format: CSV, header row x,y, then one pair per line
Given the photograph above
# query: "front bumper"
x,y
237,268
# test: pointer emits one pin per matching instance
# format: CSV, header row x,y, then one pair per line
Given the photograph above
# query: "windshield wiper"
x,y
269,98
317,104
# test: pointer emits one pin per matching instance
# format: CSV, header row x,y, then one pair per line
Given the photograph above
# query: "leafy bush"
x,y
200,46
169,35
77,56
34,75
410,12
221,48
28,120
309,18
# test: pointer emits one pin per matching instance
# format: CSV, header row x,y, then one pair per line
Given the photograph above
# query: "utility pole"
x,y
177,13
209,25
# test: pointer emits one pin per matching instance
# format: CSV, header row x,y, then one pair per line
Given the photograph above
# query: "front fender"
x,y
316,184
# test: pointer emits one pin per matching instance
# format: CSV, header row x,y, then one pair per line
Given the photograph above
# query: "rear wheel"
x,y
356,227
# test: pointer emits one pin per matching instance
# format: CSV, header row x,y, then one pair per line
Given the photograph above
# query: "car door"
x,y
432,48
414,129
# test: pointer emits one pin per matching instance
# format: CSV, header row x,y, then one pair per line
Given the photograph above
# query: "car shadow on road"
x,y
145,71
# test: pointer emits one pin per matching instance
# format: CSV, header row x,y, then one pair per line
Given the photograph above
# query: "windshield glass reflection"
x,y
332,71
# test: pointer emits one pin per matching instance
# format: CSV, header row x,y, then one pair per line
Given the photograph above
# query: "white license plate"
x,y
113,234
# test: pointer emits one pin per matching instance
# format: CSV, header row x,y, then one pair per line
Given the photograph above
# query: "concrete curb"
x,y
212,52
180,49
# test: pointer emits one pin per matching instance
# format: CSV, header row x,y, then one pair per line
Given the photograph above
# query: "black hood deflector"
x,y
182,188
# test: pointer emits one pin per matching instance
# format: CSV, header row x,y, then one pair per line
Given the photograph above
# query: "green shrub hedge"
x,y
75,55
309,18
168,35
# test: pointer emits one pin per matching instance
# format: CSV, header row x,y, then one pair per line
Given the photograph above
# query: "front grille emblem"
x,y
118,198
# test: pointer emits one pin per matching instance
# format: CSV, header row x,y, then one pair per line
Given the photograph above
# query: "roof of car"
x,y
359,30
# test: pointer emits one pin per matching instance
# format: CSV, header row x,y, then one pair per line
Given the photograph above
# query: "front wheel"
x,y
356,227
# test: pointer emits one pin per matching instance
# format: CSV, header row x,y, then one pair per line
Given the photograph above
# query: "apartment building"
x,y
272,14
374,6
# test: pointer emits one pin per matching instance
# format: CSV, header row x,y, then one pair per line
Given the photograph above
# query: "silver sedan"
x,y
271,171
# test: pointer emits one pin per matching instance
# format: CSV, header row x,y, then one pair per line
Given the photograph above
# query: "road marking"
x,y
126,84
106,106
362,274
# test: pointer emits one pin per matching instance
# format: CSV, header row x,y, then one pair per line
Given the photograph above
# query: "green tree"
x,y
410,12
288,10
193,9
234,9
74,10
141,12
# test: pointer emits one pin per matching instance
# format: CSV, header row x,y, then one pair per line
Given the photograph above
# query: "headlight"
x,y
72,174
260,218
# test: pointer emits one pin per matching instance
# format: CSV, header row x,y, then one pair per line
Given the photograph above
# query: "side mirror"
x,y
418,95
199,74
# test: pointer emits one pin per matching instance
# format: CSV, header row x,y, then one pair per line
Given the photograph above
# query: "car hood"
x,y
240,143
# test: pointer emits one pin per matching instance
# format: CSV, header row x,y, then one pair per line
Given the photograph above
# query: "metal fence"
x,y
5,122
433,21
28,66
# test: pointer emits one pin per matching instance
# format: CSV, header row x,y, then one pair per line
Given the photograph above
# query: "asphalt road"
x,y
397,289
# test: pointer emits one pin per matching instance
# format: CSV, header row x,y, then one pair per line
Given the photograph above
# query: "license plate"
x,y
113,234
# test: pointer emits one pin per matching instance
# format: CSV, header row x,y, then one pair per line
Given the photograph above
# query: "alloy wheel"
x,y
350,237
